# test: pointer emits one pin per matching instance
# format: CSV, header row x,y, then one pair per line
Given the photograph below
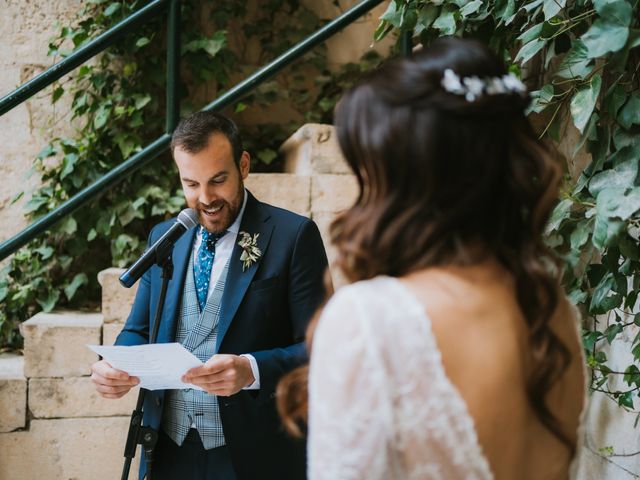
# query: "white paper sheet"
x,y
159,366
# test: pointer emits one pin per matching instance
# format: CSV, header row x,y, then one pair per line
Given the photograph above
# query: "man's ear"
x,y
245,164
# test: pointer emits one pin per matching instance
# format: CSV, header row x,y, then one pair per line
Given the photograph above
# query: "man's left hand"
x,y
222,375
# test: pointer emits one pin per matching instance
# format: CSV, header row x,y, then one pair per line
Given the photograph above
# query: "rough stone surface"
x,y
110,332
25,31
607,425
349,44
66,449
333,193
13,393
314,149
287,191
55,344
323,220
116,299
74,397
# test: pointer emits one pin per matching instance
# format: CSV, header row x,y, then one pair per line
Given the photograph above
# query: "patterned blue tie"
x,y
203,264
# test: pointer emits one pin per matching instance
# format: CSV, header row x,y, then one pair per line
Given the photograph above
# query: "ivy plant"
x,y
117,104
582,61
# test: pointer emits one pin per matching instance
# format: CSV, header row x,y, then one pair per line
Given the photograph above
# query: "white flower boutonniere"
x,y
250,251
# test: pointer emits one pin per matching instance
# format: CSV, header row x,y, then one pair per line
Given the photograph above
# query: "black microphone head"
x,y
188,218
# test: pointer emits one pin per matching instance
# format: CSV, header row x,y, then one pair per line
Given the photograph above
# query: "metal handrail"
x,y
80,56
159,145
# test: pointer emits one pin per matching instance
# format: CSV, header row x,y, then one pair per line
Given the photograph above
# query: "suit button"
x,y
273,395
158,402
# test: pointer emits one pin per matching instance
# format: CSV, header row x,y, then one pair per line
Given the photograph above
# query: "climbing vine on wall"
x,y
582,60
117,104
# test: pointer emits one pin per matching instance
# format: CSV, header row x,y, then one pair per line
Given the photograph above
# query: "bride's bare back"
x,y
482,336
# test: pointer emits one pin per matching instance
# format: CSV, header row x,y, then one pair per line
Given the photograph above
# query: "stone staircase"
x,y
52,423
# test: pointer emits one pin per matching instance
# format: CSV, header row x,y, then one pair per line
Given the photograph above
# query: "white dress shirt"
x,y
224,248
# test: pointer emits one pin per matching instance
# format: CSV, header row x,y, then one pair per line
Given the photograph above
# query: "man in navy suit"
x,y
245,284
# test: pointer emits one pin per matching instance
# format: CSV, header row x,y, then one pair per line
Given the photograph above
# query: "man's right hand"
x,y
109,382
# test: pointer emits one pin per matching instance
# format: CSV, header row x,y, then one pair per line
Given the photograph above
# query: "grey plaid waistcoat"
x,y
197,332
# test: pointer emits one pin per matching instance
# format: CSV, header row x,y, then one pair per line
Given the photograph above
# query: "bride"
x,y
453,353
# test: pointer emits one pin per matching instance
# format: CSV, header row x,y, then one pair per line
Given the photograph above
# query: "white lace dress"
x,y
380,404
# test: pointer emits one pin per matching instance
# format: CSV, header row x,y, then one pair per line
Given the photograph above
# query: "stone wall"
x,y
26,27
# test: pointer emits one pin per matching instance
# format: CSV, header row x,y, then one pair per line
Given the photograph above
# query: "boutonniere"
x,y
250,251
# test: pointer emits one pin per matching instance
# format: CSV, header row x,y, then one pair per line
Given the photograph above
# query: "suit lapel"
x,y
254,221
181,252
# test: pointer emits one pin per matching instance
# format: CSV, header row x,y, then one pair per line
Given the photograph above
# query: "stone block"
x,y
333,193
110,332
13,393
74,397
283,190
55,344
66,449
323,220
116,299
314,149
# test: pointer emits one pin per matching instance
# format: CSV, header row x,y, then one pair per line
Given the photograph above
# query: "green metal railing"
x,y
159,145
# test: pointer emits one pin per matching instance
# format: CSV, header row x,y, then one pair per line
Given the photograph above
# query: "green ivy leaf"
x,y
552,7
590,338
529,50
57,93
605,231
446,22
267,155
622,176
626,400
608,33
618,203
471,7
630,113
101,117
142,41
531,34
560,212
68,226
68,164
541,99
612,332
78,280
392,15
111,9
48,300
426,17
576,62
584,101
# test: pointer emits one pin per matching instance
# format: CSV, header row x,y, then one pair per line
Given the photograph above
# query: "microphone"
x,y
187,219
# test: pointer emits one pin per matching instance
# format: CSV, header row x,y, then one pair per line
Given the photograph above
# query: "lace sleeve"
x,y
349,422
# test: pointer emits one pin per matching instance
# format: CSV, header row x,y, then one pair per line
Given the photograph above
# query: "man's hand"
x,y
109,382
222,375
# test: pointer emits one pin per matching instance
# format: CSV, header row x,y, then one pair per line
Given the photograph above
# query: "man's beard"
x,y
228,211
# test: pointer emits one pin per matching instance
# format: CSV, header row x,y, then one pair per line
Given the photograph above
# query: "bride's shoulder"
x,y
369,294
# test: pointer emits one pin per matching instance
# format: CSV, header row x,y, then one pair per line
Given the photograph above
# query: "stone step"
x,y
313,149
55,344
74,397
70,448
13,393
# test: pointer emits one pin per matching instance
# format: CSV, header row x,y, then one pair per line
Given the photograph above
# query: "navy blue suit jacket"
x,y
265,311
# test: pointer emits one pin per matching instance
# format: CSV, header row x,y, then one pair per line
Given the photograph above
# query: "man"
x,y
245,285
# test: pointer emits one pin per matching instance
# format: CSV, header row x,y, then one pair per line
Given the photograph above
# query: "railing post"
x,y
405,43
173,66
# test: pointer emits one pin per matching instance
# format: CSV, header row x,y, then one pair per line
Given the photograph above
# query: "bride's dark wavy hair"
x,y
446,181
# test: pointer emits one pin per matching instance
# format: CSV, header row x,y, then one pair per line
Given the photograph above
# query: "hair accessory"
x,y
474,87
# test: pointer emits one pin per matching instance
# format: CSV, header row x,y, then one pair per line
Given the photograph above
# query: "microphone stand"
x,y
147,436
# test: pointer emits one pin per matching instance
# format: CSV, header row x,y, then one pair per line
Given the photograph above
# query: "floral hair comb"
x,y
474,87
